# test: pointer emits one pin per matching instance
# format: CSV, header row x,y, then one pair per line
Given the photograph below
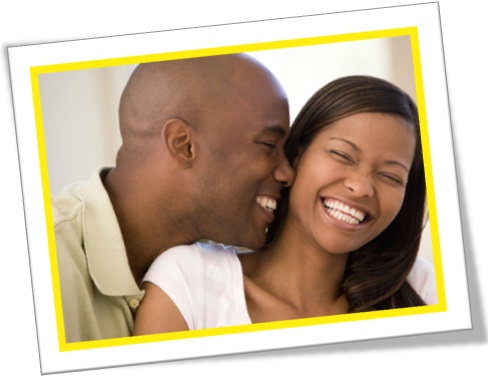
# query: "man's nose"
x,y
284,173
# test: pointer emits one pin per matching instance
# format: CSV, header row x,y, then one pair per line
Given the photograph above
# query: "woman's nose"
x,y
360,184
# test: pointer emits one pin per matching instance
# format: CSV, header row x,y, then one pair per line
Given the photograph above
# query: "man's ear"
x,y
177,135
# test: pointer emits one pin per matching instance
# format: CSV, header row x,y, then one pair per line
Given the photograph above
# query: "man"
x,y
201,158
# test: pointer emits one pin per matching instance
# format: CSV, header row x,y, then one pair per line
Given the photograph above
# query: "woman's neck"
x,y
293,278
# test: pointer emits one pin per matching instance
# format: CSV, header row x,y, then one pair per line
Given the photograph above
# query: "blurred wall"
x,y
80,118
303,70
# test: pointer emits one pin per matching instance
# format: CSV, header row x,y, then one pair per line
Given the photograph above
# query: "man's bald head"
x,y
185,89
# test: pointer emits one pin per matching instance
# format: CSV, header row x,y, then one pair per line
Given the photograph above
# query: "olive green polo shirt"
x,y
99,294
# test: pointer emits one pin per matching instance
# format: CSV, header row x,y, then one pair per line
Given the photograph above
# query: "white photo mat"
x,y
419,22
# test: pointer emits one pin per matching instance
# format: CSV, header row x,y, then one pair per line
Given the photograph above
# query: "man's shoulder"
x,y
68,214
66,205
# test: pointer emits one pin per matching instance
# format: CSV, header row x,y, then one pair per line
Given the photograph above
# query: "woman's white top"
x,y
205,281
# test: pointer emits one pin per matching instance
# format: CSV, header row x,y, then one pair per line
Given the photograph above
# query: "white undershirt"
x,y
205,281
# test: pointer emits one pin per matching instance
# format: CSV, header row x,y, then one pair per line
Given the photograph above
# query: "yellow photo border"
x,y
412,32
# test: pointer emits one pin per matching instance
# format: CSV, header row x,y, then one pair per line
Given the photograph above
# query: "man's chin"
x,y
256,243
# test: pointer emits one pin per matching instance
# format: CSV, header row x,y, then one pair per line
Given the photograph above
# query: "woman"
x,y
346,234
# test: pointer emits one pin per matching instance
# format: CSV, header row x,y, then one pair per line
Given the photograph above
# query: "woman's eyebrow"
x,y
397,163
353,145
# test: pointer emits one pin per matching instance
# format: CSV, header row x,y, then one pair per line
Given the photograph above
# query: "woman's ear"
x,y
177,135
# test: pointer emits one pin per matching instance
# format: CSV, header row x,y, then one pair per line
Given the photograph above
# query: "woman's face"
x,y
351,180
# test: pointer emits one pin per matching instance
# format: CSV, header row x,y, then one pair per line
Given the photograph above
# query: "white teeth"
x,y
343,217
343,212
267,202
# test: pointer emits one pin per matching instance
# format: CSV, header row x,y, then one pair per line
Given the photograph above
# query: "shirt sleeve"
x,y
177,272
422,279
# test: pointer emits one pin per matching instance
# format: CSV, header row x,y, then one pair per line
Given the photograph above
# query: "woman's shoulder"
x,y
422,279
178,253
422,269
195,256
195,250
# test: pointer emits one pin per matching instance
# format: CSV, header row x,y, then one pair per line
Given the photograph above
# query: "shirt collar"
x,y
104,246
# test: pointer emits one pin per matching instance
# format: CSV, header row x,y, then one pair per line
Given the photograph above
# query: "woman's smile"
x,y
343,212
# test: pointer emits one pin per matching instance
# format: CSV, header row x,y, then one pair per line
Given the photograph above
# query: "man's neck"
x,y
148,225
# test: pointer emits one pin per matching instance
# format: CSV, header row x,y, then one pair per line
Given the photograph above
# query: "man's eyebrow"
x,y
274,130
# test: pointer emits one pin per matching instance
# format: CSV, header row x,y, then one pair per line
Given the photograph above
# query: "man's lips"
x,y
267,202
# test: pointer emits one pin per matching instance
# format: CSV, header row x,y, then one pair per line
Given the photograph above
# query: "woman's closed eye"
x,y
341,156
391,178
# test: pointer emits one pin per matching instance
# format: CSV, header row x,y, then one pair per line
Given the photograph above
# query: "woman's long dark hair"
x,y
376,274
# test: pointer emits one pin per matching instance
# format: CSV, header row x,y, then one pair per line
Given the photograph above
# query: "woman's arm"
x,y
157,313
